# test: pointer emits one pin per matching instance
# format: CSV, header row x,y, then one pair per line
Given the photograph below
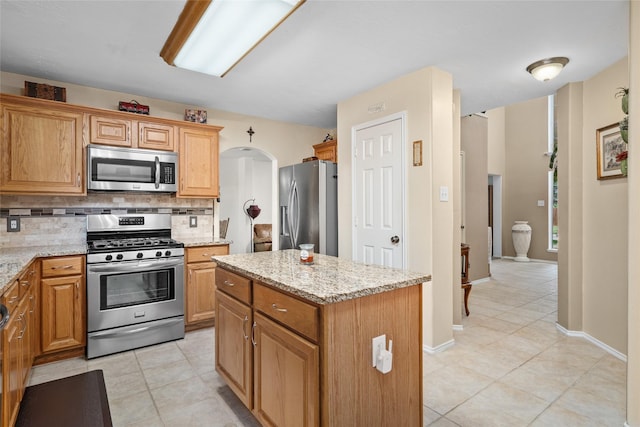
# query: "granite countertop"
x,y
14,260
193,243
327,281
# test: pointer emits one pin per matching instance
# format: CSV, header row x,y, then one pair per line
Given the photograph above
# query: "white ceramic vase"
x,y
521,235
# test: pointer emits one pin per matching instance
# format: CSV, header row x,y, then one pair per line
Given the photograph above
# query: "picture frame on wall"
x,y
609,144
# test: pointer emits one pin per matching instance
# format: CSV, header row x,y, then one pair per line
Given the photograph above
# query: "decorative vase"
x,y
253,211
521,235
623,166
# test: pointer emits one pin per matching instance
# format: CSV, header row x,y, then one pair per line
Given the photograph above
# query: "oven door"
x,y
131,292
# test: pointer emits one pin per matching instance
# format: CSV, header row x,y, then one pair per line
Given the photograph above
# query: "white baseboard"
x,y
612,351
458,328
438,349
483,280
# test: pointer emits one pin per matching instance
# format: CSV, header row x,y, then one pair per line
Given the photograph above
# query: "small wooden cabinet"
x,y
117,129
41,147
156,136
110,130
327,151
63,316
198,162
201,284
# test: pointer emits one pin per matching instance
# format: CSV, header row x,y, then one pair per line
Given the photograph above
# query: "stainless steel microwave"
x,y
128,169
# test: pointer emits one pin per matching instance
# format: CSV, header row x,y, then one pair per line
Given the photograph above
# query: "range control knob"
x,y
108,257
159,253
139,255
167,253
119,256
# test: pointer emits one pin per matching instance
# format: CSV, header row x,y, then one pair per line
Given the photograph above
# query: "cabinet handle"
x,y
13,299
77,289
62,267
78,179
33,304
228,283
24,284
24,325
244,323
205,255
253,334
276,308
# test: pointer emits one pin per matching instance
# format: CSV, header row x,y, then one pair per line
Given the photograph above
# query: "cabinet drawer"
x,y
234,285
26,279
62,266
205,253
294,313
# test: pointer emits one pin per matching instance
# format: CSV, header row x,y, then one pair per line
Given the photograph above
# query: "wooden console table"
x,y
466,285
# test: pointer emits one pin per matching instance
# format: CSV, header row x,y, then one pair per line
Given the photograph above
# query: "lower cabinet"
x,y
272,369
201,284
63,317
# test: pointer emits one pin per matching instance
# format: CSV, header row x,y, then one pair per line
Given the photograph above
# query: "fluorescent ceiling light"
x,y
547,69
211,37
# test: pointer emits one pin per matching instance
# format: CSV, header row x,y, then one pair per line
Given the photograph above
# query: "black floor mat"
x,y
77,401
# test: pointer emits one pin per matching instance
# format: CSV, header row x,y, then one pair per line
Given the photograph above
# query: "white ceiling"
x,y
326,52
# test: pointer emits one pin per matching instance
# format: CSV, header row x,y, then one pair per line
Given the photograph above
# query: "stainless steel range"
x,y
135,282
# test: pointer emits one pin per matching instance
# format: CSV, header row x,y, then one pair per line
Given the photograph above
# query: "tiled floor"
x,y
510,366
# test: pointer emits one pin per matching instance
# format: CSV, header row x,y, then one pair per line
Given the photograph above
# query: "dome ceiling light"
x,y
547,69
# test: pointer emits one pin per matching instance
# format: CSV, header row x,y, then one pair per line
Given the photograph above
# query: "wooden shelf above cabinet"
x,y
327,151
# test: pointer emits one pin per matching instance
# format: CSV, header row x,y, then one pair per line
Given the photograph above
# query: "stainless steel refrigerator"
x,y
309,206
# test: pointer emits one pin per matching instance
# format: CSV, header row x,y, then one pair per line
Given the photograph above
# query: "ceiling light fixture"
x,y
211,37
547,69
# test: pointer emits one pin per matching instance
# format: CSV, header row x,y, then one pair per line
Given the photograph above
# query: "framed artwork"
x,y
609,144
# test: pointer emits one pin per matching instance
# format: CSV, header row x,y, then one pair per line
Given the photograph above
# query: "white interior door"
x,y
378,194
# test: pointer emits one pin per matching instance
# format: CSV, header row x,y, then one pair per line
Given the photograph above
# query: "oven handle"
x,y
130,266
157,172
159,324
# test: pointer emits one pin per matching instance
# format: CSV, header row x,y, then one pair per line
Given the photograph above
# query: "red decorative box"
x,y
133,107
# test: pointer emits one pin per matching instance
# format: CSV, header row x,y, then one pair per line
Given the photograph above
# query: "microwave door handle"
x,y
157,172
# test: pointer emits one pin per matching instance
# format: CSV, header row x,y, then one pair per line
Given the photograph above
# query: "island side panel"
x,y
353,391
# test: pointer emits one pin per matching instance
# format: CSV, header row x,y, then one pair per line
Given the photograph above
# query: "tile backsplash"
x,y
62,220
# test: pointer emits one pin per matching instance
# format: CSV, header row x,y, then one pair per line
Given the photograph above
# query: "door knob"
x,y
395,240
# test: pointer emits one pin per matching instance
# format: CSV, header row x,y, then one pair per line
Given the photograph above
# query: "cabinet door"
x,y
233,346
198,163
63,313
201,288
155,136
111,131
11,369
41,151
286,376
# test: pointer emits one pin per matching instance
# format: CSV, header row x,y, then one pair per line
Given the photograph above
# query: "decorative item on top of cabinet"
x,y
41,147
63,290
199,157
201,285
327,150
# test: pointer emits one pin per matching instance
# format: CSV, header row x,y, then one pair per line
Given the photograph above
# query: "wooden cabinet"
x,y
266,335
327,151
286,376
201,284
117,129
18,345
41,147
198,162
63,314
234,350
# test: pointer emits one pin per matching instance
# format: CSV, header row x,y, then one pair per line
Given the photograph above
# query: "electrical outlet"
x,y
13,224
193,221
379,344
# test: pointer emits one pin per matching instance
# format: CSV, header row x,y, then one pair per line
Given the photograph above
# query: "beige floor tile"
x,y
547,387
594,407
183,392
56,370
162,375
446,388
124,385
556,416
204,413
443,422
115,364
158,355
132,409
429,416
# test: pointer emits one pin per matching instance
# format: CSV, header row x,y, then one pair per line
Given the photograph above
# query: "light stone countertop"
x,y
328,280
14,260
194,243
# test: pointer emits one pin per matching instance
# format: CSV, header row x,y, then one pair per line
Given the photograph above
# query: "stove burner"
x,y
137,242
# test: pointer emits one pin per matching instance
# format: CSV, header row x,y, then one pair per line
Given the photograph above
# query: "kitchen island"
x,y
294,342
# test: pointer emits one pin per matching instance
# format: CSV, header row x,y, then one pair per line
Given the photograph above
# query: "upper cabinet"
x,y
41,147
119,130
198,169
327,151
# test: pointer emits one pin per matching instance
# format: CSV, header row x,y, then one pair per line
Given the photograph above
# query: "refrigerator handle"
x,y
284,221
295,214
290,214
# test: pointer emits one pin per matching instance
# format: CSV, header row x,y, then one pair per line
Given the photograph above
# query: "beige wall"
x,y
496,141
526,179
426,96
473,141
605,216
633,353
456,198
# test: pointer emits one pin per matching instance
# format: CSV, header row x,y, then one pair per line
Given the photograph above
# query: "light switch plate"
x,y
444,194
193,221
540,202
